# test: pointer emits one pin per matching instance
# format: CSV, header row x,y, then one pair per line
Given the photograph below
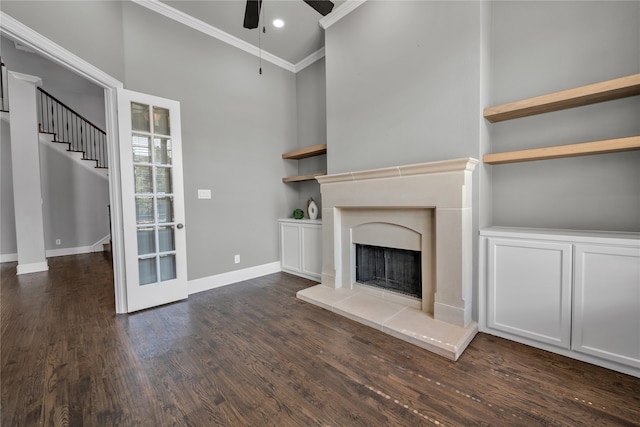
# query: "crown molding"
x,y
210,30
315,56
340,12
35,42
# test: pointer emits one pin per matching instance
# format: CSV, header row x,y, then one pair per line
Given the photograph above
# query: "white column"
x,y
25,157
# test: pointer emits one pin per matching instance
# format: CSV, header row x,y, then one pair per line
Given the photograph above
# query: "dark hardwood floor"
x,y
251,354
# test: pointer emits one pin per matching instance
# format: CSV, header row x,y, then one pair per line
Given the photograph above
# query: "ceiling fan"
x,y
252,10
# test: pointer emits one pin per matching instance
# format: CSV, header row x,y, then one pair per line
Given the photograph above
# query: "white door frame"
x,y
18,32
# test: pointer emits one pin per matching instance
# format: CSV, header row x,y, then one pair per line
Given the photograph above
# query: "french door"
x,y
152,200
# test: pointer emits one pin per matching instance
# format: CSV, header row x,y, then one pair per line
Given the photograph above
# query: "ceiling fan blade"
x,y
323,7
252,14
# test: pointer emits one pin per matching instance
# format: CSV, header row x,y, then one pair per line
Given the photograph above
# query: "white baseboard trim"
x,y
212,282
34,267
50,253
97,246
8,257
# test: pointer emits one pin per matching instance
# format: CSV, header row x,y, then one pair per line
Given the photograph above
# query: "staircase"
x,y
64,125
70,128
62,129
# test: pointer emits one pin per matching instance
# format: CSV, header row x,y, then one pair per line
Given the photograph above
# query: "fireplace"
x,y
424,209
395,270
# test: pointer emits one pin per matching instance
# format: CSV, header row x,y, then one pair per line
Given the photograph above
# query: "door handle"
x,y
180,226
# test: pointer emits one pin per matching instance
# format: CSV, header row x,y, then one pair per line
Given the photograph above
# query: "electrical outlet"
x,y
204,194
236,259
58,242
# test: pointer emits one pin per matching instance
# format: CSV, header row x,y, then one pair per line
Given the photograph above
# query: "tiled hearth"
x,y
424,207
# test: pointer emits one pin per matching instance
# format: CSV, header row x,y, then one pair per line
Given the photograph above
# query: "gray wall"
x,y
539,48
76,92
7,215
311,101
402,84
75,200
236,123
407,82
90,29
235,126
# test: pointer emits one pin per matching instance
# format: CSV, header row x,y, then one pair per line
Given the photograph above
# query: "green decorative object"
x,y
298,214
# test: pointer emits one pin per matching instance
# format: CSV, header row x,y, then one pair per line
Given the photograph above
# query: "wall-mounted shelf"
x,y
559,151
304,153
316,150
303,177
577,97
583,95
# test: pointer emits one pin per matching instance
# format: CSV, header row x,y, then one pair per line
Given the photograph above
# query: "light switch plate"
x,y
204,194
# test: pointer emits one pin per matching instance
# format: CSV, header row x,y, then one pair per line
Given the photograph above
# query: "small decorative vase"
x,y
312,209
298,214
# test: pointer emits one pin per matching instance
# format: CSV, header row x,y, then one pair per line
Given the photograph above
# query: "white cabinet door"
x,y
290,247
606,319
529,289
312,250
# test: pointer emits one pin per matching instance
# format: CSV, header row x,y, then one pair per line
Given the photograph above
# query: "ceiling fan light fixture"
x,y
278,23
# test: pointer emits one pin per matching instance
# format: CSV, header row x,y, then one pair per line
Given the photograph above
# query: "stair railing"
x,y
70,127
4,93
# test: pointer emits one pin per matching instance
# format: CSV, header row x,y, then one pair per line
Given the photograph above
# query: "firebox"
x,y
397,270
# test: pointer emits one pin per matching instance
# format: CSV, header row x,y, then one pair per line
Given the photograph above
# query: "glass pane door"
x,y
153,192
155,245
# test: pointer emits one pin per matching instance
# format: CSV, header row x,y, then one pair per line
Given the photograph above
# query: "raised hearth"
x,y
424,207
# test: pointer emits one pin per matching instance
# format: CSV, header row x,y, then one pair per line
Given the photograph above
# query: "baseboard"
x,y
34,267
212,282
98,246
8,257
50,253
68,251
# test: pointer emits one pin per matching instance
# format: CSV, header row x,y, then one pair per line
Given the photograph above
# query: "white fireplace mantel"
x,y
444,187
433,201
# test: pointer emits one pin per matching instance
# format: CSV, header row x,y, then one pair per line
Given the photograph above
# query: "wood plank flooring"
x,y
251,354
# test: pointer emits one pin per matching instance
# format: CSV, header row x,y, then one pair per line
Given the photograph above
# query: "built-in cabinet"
x,y
570,292
301,247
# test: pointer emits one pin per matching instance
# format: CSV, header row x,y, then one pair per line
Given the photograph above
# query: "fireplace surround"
x,y
423,207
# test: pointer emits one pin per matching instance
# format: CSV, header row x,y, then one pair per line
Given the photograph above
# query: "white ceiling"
x,y
300,37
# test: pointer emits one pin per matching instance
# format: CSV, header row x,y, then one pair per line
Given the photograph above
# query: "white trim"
x,y
57,54
37,81
115,199
15,30
315,56
8,258
340,12
97,246
46,139
210,30
34,267
52,253
212,282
